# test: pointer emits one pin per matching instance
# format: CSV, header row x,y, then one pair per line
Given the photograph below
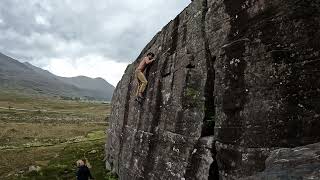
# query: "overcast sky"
x,y
95,38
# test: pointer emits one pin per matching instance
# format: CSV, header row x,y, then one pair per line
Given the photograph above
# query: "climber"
x,y
140,76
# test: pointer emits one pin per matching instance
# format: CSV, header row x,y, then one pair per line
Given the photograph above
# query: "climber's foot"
x,y
139,99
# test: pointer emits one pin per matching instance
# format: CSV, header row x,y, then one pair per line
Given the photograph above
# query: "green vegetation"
x,y
9,100
63,166
42,138
192,93
20,108
192,96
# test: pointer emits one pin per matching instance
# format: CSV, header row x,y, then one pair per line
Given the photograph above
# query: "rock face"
x,y
233,81
294,164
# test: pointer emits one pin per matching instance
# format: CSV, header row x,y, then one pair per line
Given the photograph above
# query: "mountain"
x,y
24,77
83,82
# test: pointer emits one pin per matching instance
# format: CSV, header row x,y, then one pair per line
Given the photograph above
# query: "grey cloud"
x,y
111,28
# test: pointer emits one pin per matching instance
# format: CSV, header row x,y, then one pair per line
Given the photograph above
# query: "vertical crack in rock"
x,y
209,117
205,144
208,124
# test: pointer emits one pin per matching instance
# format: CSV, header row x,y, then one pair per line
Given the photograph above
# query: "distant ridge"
x,y
27,78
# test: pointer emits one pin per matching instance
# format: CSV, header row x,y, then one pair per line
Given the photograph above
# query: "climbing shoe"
x,y
139,99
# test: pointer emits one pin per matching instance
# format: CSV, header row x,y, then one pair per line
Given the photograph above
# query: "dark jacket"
x,y
83,173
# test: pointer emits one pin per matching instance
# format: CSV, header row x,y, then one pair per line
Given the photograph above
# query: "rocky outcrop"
x,y
233,81
294,164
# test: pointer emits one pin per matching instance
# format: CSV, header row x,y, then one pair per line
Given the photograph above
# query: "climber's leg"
x,y
143,82
138,87
139,84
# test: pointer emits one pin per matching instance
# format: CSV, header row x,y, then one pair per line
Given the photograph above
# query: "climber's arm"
x,y
148,61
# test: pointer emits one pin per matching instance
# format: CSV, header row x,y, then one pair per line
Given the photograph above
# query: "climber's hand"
x,y
155,58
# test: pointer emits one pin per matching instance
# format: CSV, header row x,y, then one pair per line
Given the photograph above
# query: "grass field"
x,y
42,138
17,107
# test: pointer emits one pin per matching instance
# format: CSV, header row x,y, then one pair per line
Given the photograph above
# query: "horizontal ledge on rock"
x,y
235,42
308,62
139,131
162,132
220,145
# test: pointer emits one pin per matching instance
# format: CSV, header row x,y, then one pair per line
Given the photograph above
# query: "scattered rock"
x,y
93,152
34,168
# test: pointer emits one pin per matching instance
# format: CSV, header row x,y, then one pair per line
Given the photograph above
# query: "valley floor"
x,y
42,138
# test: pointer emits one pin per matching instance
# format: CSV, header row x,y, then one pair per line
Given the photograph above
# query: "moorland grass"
x,y
51,134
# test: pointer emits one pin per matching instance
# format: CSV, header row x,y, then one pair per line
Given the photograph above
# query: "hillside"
x,y
97,84
26,78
